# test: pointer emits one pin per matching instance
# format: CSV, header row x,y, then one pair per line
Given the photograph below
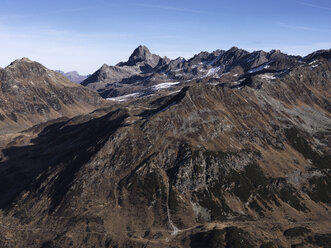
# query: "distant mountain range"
x,y
74,76
144,69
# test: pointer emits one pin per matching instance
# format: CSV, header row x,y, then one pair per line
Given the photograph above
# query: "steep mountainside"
x,y
237,164
144,69
31,93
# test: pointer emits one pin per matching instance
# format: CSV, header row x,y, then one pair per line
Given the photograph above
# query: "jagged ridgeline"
x,y
145,69
235,152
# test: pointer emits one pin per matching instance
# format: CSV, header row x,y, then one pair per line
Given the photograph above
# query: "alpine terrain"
x,y
225,149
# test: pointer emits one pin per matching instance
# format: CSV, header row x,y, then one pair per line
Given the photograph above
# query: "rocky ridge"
x,y
144,69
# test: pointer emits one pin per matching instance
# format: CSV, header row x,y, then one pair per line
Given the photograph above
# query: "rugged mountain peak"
x,y
234,54
180,59
26,68
326,54
274,51
25,59
141,56
21,61
234,48
141,52
104,67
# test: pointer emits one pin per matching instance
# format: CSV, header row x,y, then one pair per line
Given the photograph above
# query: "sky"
x,y
83,35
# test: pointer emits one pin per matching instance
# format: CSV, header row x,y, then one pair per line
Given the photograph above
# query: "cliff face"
x,y
242,164
30,94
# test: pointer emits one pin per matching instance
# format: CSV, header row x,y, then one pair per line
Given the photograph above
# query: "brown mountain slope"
x,y
243,166
30,94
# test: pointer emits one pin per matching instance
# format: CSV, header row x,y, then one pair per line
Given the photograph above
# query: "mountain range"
x,y
226,149
74,76
144,69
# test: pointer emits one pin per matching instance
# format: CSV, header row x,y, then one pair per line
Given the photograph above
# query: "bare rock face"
x,y
243,164
31,93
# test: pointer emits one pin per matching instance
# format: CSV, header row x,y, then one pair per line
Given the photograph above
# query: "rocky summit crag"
x,y
237,156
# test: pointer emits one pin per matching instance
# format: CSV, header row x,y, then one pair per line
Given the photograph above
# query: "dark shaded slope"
x,y
59,145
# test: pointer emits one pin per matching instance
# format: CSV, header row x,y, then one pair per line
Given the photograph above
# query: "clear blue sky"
x,y
84,34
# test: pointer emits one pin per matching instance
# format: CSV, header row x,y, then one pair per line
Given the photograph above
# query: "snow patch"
x,y
124,98
267,76
151,90
174,92
163,85
313,62
212,71
259,68
181,59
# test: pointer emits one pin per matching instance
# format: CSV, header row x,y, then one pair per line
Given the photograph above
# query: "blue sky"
x,y
84,34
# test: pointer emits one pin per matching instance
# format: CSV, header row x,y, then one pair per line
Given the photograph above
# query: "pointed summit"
x,y
234,48
20,61
141,56
27,67
141,52
25,59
